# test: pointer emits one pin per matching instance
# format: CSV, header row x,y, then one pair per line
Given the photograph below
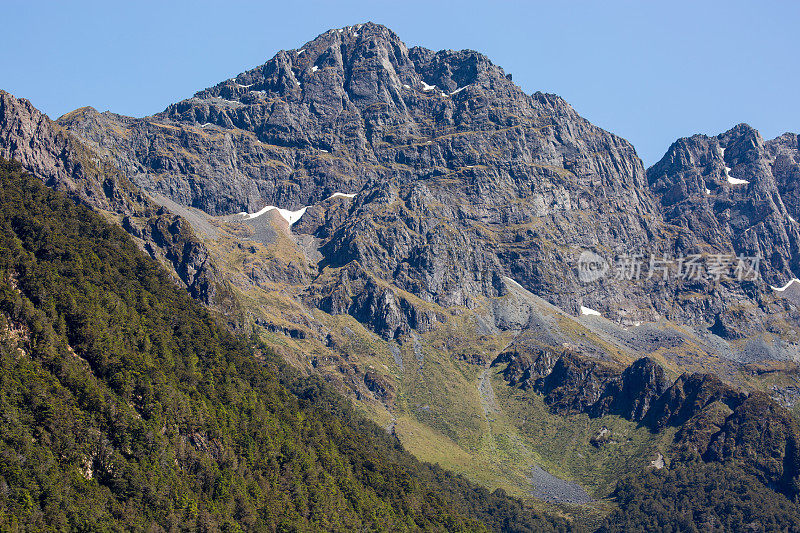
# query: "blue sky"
x,y
650,72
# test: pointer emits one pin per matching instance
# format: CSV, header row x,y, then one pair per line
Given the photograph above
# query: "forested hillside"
x,y
126,407
699,497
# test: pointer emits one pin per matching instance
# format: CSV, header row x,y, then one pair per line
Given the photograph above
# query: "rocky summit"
x,y
470,263
462,180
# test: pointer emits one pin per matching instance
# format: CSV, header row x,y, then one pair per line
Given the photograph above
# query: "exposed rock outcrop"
x,y
67,163
716,421
725,191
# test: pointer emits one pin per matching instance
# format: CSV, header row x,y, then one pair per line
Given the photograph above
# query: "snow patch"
x,y
244,86
731,179
301,51
426,87
298,83
341,195
458,90
290,216
314,68
708,191
206,124
513,282
791,218
324,151
406,86
588,311
788,284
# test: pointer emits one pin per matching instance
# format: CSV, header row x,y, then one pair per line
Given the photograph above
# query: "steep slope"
x,y
699,497
716,422
461,179
784,152
433,216
126,407
59,159
728,191
66,163
447,134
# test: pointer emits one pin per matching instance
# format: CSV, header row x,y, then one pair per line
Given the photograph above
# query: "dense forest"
x,y
125,406
697,496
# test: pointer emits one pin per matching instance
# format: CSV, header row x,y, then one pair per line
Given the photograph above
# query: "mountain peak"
x,y
367,31
369,62
741,132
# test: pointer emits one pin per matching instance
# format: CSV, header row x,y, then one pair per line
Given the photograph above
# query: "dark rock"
x,y
463,180
716,421
689,395
632,396
747,218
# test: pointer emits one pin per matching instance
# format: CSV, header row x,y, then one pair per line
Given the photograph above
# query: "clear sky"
x,y
648,71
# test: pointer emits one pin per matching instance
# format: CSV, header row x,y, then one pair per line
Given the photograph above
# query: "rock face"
x,y
66,163
462,179
30,138
572,383
170,238
727,191
430,192
633,394
717,422
784,153
355,106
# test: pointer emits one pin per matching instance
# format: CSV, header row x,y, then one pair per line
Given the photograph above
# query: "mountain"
x,y
447,134
716,422
126,407
473,266
432,142
783,154
726,191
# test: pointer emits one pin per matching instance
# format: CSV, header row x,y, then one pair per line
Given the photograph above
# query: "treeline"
x,y
126,407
